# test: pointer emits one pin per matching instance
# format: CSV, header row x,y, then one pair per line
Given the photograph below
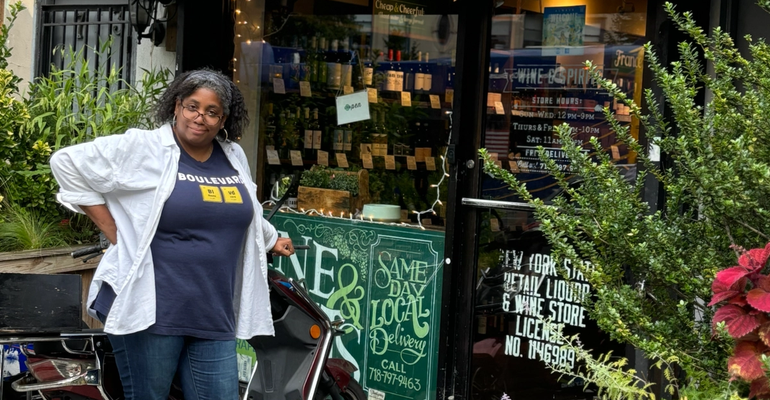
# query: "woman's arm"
x,y
85,171
103,219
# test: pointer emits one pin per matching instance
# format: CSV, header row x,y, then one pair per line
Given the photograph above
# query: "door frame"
x,y
469,118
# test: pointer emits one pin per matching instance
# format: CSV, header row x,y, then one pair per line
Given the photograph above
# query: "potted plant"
x,y
334,191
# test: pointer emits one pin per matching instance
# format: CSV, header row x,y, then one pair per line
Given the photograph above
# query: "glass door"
x,y
537,81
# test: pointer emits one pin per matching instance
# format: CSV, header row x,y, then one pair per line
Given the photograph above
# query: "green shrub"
x,y
326,178
71,105
652,269
22,229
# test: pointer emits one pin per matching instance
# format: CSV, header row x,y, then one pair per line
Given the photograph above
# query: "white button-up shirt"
x,y
134,174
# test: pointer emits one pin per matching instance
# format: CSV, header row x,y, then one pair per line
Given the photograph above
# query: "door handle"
x,y
504,205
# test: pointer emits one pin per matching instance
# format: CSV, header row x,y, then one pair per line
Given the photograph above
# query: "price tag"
x,y
304,89
366,148
435,102
308,139
323,158
449,96
347,89
499,109
615,152
372,94
514,166
499,163
421,152
411,162
493,156
426,221
273,158
367,160
430,163
390,162
296,158
278,86
317,140
406,99
342,160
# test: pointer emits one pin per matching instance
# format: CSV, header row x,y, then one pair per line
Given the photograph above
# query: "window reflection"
x,y
537,81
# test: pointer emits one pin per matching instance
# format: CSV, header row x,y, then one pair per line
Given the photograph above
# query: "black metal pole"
x,y
475,19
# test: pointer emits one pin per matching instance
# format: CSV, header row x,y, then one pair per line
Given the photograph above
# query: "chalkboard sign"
x,y
38,303
385,282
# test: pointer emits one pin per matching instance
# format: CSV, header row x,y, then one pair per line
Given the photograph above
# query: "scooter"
x,y
294,364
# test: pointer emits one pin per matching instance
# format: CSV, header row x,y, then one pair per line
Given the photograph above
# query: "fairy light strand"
x,y
437,186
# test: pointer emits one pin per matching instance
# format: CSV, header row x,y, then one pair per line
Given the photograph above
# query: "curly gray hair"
x,y
187,83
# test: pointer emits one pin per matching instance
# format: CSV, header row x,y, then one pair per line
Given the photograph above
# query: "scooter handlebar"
x,y
86,251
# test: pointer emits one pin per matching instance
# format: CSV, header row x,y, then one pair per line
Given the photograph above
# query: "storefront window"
x,y
297,62
371,202
537,81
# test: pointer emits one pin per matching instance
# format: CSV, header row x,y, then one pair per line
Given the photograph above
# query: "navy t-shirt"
x,y
196,250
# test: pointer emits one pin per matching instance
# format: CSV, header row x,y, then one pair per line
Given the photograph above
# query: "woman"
x,y
187,271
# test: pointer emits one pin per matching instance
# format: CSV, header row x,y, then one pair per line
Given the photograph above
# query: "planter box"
x,y
335,201
51,261
36,303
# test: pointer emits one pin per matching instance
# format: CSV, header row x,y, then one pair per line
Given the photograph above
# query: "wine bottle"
x,y
281,145
375,134
347,140
399,86
338,140
312,59
308,134
316,131
427,82
270,126
295,70
383,135
419,76
368,70
347,75
335,71
390,81
322,66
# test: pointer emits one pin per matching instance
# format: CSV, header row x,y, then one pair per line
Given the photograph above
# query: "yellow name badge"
x,y
232,194
211,194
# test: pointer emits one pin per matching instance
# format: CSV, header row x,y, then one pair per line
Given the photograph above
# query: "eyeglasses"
x,y
191,112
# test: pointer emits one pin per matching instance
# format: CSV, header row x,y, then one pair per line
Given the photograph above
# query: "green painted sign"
x,y
385,282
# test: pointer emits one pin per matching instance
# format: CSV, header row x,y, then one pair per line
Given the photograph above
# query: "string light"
x,y
437,186
349,217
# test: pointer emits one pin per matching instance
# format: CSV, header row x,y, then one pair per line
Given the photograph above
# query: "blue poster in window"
x,y
563,29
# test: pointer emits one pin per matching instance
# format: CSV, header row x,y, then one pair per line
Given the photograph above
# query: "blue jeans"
x,y
148,363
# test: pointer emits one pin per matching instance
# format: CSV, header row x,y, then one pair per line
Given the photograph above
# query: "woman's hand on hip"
x,y
103,219
283,247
